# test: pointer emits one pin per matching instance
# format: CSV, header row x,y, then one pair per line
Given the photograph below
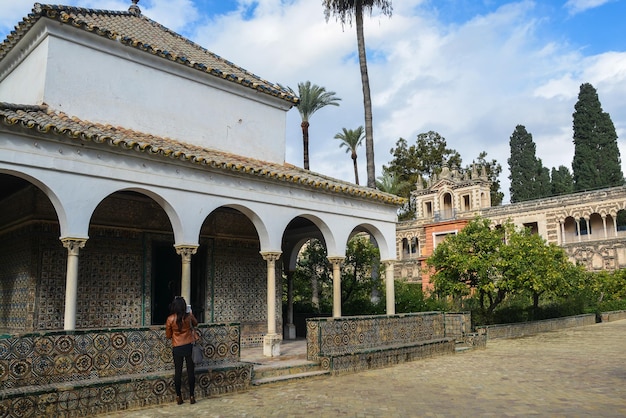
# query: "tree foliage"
x,y
411,163
596,161
493,263
313,283
562,181
312,98
313,276
359,278
529,179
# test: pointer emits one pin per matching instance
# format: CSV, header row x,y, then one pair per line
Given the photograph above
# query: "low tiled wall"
x,y
83,372
531,328
332,336
365,342
458,324
612,316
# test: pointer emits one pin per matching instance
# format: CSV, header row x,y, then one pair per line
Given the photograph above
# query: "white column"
x,y
73,246
336,262
185,252
271,341
389,290
578,228
562,229
604,226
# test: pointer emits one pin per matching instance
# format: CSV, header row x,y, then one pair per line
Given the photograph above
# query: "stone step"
x,y
297,368
264,371
289,377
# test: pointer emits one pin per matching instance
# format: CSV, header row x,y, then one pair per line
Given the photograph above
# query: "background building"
x,y
590,226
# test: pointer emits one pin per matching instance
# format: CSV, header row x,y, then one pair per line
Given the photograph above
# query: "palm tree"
x,y
389,183
351,139
345,11
312,99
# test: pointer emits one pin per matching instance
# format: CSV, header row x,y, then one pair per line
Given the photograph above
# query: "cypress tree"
x,y
562,181
523,166
596,161
543,187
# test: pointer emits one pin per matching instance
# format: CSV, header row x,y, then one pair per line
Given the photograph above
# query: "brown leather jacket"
x,y
184,336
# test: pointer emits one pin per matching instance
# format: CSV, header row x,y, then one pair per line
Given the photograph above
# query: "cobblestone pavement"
x,y
577,372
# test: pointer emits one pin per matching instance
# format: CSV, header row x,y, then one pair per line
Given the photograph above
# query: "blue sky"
x,y
469,69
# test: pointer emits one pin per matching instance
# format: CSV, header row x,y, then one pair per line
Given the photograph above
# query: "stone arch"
x,y
298,232
570,229
621,220
405,249
610,225
447,206
172,214
131,246
381,242
29,208
596,225
257,221
18,182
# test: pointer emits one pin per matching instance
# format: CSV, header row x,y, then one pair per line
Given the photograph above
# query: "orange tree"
x,y
493,263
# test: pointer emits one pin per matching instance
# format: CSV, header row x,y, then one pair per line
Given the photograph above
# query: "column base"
x,y
289,331
271,345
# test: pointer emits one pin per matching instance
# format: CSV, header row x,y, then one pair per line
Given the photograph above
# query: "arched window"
x,y
584,227
570,231
621,220
405,248
414,246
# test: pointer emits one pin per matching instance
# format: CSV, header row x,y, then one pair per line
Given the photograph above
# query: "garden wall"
x,y
87,372
531,328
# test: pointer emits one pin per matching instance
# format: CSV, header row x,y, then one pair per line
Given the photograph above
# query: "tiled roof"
x,y
137,31
43,120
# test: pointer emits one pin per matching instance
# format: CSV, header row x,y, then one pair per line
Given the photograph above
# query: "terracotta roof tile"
x,y
137,31
44,120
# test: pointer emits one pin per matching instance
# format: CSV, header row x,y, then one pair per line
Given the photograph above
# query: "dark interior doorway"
x,y
166,272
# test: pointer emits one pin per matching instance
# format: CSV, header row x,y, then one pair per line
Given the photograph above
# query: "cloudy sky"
x,y
469,69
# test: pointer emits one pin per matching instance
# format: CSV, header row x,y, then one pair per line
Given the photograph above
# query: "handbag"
x,y
197,351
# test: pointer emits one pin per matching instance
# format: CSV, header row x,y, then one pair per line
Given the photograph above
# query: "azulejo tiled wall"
x,y
350,344
241,288
330,336
86,372
17,279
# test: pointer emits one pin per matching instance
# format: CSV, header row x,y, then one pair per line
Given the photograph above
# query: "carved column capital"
x,y
271,256
388,263
186,251
73,245
336,260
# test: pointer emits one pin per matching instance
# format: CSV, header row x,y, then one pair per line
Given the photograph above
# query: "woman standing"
x,y
179,328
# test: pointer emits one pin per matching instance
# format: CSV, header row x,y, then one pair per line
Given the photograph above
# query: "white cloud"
x,y
472,82
579,6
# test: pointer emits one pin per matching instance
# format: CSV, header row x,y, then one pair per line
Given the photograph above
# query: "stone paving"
x,y
576,372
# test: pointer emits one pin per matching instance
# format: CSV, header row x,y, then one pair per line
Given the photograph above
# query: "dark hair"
x,y
179,307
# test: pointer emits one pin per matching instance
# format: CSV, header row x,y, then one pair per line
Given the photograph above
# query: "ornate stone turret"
x,y
451,194
134,9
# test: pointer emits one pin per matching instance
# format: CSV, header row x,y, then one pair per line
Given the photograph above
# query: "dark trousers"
x,y
181,353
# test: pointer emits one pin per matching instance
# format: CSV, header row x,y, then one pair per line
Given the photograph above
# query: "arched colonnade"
x,y
75,197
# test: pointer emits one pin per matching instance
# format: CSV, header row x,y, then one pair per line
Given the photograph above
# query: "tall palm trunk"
x,y
305,143
367,100
356,171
